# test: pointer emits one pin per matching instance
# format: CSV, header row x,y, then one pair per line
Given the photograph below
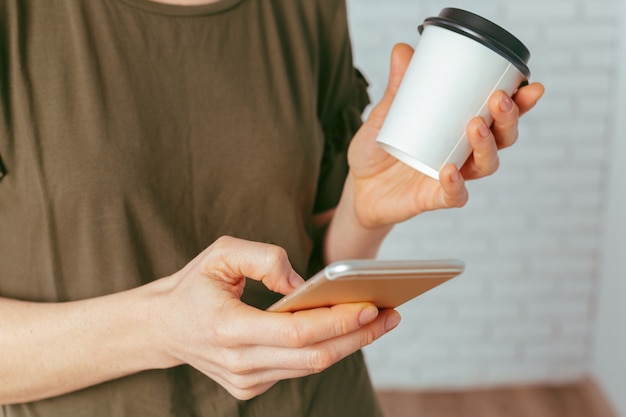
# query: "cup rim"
x,y
485,32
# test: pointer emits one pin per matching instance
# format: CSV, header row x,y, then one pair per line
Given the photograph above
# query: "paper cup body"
x,y
448,82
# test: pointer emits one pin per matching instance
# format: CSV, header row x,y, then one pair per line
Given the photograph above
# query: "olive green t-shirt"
x,y
133,134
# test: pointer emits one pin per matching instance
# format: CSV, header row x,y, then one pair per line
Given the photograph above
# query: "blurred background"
x,y
543,296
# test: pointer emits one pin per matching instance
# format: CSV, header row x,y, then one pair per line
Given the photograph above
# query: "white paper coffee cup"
x,y
460,60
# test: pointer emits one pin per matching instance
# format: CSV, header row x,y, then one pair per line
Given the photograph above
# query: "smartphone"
x,y
386,283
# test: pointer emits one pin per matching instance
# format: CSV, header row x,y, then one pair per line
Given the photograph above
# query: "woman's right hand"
x,y
203,323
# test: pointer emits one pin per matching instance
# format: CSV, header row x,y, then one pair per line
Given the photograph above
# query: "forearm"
x,y
49,349
346,237
194,317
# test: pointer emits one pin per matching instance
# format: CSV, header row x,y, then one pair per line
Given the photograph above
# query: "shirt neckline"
x,y
183,11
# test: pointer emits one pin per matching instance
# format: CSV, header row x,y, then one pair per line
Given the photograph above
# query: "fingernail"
x,y
367,315
295,280
506,104
454,177
392,321
483,130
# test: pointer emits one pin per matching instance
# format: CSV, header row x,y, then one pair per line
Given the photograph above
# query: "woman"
x,y
135,134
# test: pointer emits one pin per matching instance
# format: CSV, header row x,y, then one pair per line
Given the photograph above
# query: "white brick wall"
x,y
608,367
530,235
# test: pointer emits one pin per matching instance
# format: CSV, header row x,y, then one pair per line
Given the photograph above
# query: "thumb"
x,y
400,58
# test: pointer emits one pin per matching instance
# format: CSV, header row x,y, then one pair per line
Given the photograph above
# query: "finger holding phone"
x,y
247,350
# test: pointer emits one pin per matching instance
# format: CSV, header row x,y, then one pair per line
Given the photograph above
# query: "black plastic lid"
x,y
487,33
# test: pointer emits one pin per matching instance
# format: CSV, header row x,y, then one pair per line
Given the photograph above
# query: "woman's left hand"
x,y
386,191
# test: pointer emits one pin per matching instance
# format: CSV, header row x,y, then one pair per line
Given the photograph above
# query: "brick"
x,y
570,178
552,12
458,248
441,223
530,372
563,351
488,311
589,129
575,286
523,290
601,57
584,222
546,60
453,331
578,330
508,264
426,352
589,156
584,245
559,308
529,201
464,287
486,351
602,11
588,81
565,264
502,223
593,33
593,106
530,153
556,272
523,331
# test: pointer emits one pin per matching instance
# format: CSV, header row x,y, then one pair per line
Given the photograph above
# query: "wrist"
x,y
153,320
349,235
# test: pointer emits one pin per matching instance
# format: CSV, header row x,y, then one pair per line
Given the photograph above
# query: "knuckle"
x,y
222,241
340,326
237,368
368,338
223,336
321,359
494,166
220,247
235,364
294,337
486,167
460,200
515,137
245,394
243,383
275,255
242,394
507,128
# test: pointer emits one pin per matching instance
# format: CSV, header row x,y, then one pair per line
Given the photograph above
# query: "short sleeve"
x,y
342,98
337,135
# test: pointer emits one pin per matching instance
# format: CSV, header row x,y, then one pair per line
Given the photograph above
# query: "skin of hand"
x,y
192,317
247,350
386,191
